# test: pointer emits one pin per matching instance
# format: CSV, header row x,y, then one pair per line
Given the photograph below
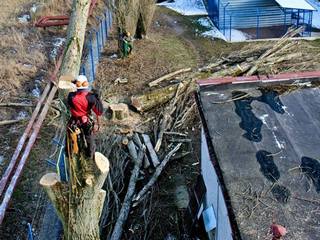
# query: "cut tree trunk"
x,y
80,207
155,98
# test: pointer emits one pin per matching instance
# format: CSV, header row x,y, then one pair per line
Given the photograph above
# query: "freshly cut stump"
x,y
120,111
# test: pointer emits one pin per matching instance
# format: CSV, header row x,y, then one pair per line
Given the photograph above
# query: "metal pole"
x,y
22,140
101,33
98,43
83,69
25,135
106,24
230,26
30,235
91,56
285,20
258,22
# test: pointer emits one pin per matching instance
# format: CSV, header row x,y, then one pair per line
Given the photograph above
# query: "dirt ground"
x,y
172,44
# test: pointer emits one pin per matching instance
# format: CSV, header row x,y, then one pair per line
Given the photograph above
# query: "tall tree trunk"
x,y
79,202
75,39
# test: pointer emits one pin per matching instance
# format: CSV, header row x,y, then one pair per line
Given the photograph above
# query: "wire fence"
x,y
95,41
256,20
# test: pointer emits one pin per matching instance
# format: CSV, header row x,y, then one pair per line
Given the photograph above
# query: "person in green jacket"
x,y
127,42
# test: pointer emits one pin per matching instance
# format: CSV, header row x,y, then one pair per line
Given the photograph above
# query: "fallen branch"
x,y
156,174
16,105
146,161
8,122
124,212
168,76
153,155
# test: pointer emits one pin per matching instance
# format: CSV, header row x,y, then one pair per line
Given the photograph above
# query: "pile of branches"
x,y
135,156
266,59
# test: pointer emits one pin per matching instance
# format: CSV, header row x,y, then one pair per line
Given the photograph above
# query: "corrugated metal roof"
x,y
295,4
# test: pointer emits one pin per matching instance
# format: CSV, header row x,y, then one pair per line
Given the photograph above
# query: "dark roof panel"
x,y
266,140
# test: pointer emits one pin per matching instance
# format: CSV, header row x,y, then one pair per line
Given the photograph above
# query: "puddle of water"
x,y
267,166
24,18
311,168
249,122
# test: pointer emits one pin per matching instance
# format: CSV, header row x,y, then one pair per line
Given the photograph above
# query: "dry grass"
x,y
20,58
22,52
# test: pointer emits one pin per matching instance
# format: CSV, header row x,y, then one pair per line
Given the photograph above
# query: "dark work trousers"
x,y
90,147
86,140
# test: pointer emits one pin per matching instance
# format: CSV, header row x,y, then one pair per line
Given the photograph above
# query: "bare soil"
x,y
171,44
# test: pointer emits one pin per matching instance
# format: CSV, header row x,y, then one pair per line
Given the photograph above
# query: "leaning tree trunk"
x,y
78,202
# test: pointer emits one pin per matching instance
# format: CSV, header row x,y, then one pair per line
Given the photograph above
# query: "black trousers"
x,y
85,140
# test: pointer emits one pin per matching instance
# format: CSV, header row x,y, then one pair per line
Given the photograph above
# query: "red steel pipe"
x,y
6,175
32,139
49,21
21,143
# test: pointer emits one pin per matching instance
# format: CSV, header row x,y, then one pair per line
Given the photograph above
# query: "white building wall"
x,y
214,194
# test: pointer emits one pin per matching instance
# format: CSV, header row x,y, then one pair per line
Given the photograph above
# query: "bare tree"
x,y
79,202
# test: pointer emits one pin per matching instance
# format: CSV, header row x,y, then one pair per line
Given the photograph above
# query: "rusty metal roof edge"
x,y
283,77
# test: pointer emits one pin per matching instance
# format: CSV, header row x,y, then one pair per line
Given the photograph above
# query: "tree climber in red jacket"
x,y
81,125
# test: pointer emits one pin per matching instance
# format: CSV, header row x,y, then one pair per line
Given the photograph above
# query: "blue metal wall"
x,y
244,13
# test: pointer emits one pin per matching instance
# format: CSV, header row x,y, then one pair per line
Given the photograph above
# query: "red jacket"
x,y
82,102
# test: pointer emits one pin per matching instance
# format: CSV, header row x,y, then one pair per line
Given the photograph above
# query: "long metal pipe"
x,y
6,175
32,139
21,143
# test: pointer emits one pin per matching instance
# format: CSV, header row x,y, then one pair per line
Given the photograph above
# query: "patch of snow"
x,y
22,115
186,7
114,56
57,43
279,144
33,9
316,14
238,36
36,91
24,18
263,118
205,22
303,84
295,4
286,111
27,65
213,32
